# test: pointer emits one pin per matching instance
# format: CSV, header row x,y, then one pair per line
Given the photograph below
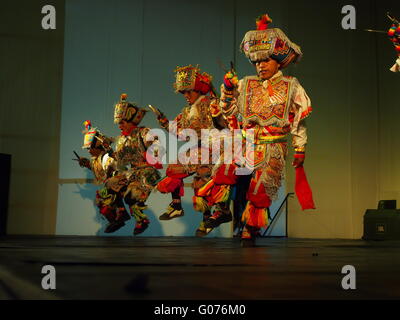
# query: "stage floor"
x,y
191,268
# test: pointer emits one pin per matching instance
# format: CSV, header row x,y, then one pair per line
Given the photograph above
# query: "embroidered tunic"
x,y
130,149
272,108
133,169
196,117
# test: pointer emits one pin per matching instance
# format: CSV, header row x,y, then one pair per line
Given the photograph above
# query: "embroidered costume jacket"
x,y
274,109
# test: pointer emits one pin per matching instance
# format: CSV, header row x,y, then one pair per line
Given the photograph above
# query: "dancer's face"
x,y
125,125
191,96
267,68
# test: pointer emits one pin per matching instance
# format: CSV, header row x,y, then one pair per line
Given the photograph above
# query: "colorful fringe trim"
x,y
200,204
219,193
214,193
205,190
255,217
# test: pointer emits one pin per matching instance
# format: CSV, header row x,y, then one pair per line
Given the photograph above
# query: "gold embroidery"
x,y
259,104
181,76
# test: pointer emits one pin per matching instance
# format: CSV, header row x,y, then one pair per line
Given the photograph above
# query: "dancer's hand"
x,y
298,162
214,108
230,80
84,163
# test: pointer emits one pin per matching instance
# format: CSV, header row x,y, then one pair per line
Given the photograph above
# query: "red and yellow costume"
x,y
269,112
196,116
103,167
134,178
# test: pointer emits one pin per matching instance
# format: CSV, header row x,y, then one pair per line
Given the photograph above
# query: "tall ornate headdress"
x,y
128,111
190,78
265,43
93,137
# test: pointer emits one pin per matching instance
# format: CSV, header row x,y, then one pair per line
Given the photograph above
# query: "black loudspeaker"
x,y
387,204
382,224
5,171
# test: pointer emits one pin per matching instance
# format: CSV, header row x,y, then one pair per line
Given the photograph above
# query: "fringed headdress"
x,y
128,111
264,43
93,137
190,78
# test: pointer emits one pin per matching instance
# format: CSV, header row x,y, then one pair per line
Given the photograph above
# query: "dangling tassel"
x,y
303,190
255,217
200,204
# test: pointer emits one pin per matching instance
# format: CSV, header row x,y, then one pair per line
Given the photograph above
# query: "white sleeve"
x,y
107,162
301,108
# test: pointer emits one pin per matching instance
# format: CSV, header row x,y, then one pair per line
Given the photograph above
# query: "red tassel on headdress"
x,y
263,21
303,190
202,83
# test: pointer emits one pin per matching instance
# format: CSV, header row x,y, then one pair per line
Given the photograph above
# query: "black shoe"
x,y
141,226
202,231
172,213
248,237
217,219
114,226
